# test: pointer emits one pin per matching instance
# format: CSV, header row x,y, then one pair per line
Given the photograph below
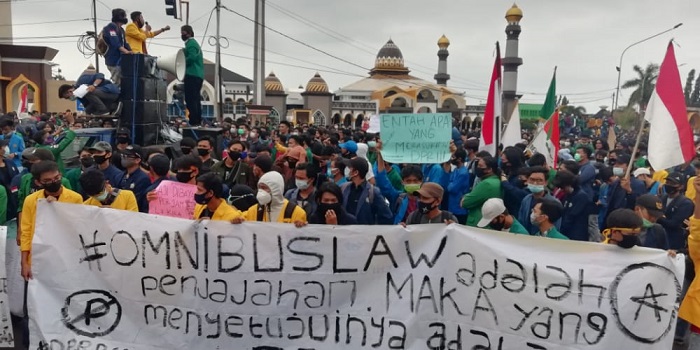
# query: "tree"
x,y
695,96
58,75
688,89
644,84
571,110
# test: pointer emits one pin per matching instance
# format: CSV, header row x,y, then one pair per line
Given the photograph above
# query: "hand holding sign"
x,y
173,199
416,138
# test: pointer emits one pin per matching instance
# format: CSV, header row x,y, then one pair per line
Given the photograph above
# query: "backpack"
x,y
415,219
101,46
288,212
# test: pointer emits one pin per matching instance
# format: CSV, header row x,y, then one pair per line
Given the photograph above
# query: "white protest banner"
x,y
6,332
107,279
416,138
174,199
375,125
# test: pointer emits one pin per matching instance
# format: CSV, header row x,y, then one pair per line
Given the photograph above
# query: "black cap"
x,y
623,159
123,131
133,151
676,178
651,203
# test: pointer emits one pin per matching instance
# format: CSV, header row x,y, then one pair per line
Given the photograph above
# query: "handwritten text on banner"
x,y
132,281
416,138
174,199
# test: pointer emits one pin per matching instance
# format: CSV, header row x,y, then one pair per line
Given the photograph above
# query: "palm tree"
x,y
644,84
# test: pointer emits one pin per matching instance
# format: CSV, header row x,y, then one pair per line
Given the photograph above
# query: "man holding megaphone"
x,y
136,35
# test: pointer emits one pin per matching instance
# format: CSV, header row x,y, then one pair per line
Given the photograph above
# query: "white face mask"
x,y
618,171
264,198
302,184
7,151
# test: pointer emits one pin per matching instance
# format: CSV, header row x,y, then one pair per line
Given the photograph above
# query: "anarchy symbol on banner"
x,y
223,42
654,303
91,313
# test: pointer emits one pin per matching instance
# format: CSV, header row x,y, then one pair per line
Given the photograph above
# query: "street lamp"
x,y
619,68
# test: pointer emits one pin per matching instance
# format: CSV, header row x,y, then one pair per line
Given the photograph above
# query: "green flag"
x,y
550,103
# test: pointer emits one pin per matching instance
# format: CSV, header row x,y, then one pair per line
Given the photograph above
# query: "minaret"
x,y
5,22
511,61
442,77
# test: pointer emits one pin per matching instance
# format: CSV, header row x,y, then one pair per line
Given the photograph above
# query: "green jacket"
x,y
3,205
73,176
194,60
240,174
56,150
554,233
487,188
25,189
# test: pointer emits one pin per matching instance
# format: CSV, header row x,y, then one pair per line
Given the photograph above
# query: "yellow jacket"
x,y
137,37
660,176
224,212
690,189
125,201
29,214
298,215
690,307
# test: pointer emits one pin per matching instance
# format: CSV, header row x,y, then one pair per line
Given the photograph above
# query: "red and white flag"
x,y
670,135
23,106
489,126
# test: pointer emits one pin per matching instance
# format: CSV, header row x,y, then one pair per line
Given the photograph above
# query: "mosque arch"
x,y
449,103
335,119
359,120
319,118
399,102
13,93
426,95
347,121
425,109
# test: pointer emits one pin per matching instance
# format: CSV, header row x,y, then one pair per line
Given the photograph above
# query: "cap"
x,y
491,208
651,203
123,131
641,171
351,146
102,146
676,178
430,189
132,151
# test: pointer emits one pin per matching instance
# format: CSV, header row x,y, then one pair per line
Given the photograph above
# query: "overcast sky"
x,y
583,38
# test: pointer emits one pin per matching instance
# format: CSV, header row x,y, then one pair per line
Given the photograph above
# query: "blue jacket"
x,y
675,213
456,189
137,182
106,85
617,197
586,177
513,194
369,212
526,207
115,37
435,173
574,220
399,209
16,147
457,137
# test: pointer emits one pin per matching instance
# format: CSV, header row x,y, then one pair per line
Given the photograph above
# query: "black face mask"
x,y
122,139
87,162
27,165
202,152
201,198
100,159
479,172
52,187
498,226
611,162
184,37
337,208
629,241
600,160
425,208
186,150
234,155
183,176
671,189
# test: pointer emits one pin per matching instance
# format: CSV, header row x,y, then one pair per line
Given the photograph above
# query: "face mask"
x,y
183,176
27,165
202,152
6,149
347,174
234,155
498,226
253,135
612,162
411,188
629,241
533,219
244,155
87,162
372,144
600,160
100,159
72,98
425,208
302,184
617,171
535,188
201,198
577,157
264,198
185,150
184,37
52,187
241,131
323,208
122,139
479,172
101,197
671,189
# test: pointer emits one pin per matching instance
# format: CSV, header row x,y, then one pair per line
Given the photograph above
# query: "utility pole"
x,y
94,24
217,73
259,55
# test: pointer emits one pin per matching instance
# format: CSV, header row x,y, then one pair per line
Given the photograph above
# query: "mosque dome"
x,y
317,85
273,84
443,43
514,14
389,60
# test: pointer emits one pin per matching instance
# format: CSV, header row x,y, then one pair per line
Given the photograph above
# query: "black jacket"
x,y
675,213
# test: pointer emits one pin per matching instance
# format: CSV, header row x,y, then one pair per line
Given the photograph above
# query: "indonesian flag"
x,y
23,106
512,134
489,126
670,135
546,142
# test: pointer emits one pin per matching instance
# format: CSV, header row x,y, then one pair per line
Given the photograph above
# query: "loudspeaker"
x,y
143,89
143,112
146,134
174,64
139,66
198,133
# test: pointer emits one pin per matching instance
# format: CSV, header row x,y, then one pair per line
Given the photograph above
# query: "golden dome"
x,y
317,85
273,84
514,14
443,43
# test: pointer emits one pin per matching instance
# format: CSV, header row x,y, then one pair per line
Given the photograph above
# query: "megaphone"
x,y
174,64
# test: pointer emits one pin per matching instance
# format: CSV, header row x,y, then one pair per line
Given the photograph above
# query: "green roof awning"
x,y
529,110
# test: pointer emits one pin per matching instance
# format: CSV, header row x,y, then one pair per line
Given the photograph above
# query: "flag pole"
x,y
639,134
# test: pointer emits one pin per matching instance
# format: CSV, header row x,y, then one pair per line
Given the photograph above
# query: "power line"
x,y
40,37
50,22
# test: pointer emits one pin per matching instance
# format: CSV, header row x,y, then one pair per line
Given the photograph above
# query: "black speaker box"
x,y
198,133
145,134
143,112
143,89
139,66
